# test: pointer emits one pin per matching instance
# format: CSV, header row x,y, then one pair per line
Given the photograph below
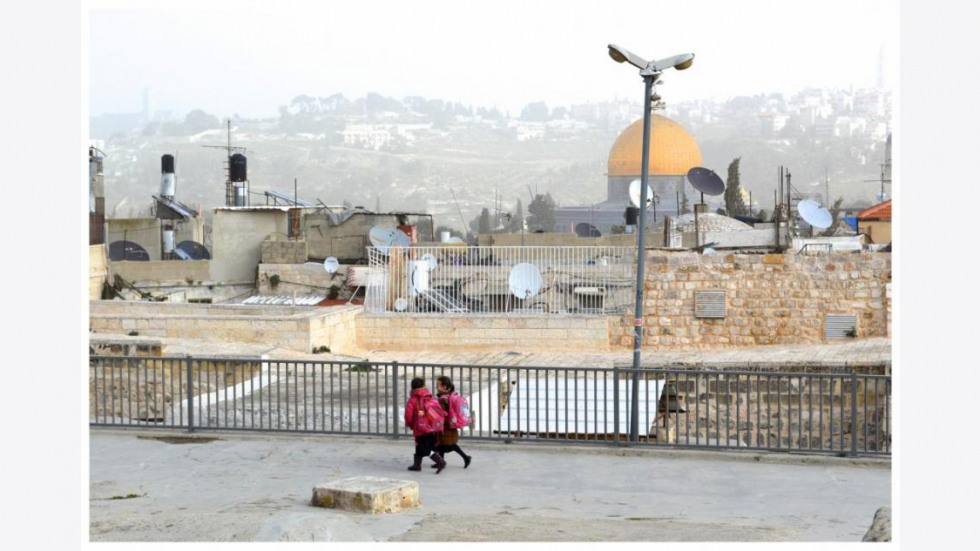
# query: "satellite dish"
x,y
430,261
584,229
709,250
524,280
814,214
192,250
384,239
401,304
455,239
331,265
127,250
635,188
706,181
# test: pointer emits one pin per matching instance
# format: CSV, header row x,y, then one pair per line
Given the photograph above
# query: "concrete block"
x,y
367,494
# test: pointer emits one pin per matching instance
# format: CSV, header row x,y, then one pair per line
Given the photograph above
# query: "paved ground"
x,y
249,487
854,352
246,487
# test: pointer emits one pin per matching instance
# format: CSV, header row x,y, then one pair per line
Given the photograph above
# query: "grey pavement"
x,y
230,487
838,353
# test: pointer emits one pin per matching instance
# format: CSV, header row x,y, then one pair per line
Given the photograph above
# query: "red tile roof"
x,y
881,211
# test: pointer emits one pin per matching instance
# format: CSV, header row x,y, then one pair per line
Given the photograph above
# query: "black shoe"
x,y
466,461
415,468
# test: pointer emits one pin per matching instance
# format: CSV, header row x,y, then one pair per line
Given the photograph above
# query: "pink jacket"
x,y
415,417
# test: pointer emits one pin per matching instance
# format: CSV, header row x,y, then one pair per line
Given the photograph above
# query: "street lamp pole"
x,y
650,71
640,257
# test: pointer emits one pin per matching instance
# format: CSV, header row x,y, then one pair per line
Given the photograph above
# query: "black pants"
x,y
444,449
425,444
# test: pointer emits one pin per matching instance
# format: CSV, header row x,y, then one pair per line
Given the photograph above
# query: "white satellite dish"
x,y
814,214
709,251
401,304
430,261
385,238
455,239
635,188
524,280
331,265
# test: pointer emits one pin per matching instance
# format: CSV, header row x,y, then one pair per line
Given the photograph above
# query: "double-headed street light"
x,y
650,71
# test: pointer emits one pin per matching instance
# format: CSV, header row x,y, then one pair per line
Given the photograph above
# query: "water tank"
x,y
632,215
418,277
168,164
237,168
168,241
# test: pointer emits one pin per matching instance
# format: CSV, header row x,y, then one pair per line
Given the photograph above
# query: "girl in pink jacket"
x,y
425,417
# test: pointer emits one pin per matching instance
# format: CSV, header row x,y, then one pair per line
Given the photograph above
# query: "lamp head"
x,y
620,55
679,62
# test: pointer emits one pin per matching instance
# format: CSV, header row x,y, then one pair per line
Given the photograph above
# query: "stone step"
x,y
367,494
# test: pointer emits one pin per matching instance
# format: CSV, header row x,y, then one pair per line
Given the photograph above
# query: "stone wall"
x,y
163,273
802,412
98,271
303,279
282,251
299,328
473,332
769,299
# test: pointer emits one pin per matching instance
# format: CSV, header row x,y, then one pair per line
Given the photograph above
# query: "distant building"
x,y
876,222
673,152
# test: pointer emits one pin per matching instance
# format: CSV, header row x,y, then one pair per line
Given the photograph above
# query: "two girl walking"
x,y
434,423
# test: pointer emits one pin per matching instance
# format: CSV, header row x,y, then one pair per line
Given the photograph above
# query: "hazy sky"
x,y
249,57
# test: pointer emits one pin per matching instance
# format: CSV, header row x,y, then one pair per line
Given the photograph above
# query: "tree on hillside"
x,y
835,214
481,224
835,210
734,204
542,213
516,223
198,121
535,111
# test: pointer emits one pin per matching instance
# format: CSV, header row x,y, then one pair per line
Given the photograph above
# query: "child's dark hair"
x,y
418,383
446,382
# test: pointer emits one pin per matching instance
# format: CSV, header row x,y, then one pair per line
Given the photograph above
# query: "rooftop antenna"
x,y
461,219
882,179
230,196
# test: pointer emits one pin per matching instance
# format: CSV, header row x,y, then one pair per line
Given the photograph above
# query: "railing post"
x,y
396,425
616,401
190,395
854,394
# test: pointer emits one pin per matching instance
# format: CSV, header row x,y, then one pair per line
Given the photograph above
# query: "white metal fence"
x,y
457,278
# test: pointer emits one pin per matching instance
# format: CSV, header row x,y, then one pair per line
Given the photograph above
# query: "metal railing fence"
x,y
829,413
468,279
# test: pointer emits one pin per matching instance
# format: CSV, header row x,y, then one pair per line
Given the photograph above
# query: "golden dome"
x,y
673,150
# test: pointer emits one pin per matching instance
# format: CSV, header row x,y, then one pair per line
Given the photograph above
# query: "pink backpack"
x,y
459,412
429,415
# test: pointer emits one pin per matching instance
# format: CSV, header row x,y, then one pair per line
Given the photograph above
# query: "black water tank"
x,y
632,215
238,168
168,164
